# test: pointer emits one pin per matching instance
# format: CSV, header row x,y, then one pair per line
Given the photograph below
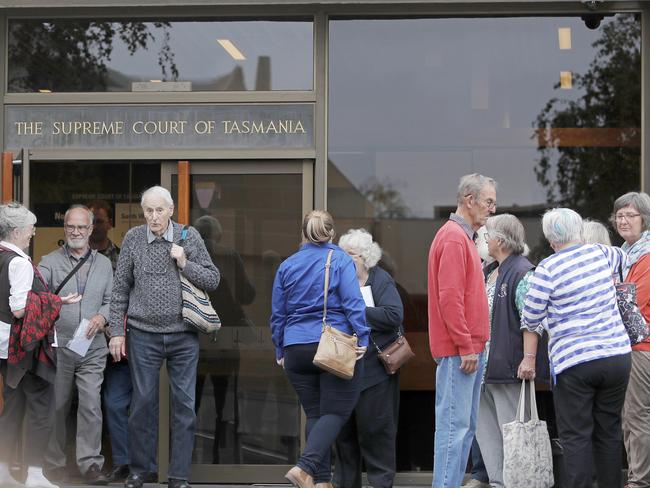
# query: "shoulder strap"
x,y
184,233
328,263
72,273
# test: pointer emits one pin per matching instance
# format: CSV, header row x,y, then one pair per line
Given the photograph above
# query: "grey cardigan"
x,y
54,267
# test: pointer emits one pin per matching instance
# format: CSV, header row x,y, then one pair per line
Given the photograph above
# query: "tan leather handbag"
x,y
336,351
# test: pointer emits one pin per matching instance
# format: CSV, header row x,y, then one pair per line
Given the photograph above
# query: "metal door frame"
x,y
231,473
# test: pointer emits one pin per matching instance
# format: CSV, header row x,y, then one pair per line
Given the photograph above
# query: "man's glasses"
x,y
489,203
78,228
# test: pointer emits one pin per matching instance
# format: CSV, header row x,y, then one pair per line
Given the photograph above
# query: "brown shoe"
x,y
299,478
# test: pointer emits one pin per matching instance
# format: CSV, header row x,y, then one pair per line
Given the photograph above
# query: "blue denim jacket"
x,y
298,294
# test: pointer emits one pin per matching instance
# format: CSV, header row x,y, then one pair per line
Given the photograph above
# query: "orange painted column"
x,y
183,192
7,177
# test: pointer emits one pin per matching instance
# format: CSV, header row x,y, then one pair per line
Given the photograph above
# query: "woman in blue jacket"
x,y
372,428
296,324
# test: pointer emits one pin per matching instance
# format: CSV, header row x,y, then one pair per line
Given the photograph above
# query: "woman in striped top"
x,y
589,349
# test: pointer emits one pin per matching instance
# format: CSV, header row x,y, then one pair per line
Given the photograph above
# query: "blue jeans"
x,y
146,353
117,390
457,399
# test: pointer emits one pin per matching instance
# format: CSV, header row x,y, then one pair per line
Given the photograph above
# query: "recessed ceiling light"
x,y
231,49
564,37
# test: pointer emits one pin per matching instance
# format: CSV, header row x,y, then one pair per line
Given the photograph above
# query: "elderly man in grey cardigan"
x,y
147,291
77,269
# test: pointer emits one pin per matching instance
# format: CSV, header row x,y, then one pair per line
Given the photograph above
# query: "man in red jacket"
x,y
458,327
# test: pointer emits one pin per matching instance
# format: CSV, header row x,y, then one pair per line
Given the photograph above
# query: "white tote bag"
x,y
527,456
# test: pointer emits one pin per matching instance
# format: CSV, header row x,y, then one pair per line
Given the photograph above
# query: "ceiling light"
x,y
231,49
564,37
566,80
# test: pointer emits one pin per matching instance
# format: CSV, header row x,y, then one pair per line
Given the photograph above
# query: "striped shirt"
x,y
574,290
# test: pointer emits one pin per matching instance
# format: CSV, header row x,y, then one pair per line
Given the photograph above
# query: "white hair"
x,y
360,241
472,185
91,216
509,230
14,216
562,225
593,232
157,191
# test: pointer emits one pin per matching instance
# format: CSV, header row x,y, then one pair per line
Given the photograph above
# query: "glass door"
x,y
248,416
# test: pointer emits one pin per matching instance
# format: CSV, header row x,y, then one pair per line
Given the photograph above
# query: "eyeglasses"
x,y
627,217
78,228
489,203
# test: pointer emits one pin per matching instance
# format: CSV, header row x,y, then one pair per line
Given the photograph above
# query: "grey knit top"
x,y
146,285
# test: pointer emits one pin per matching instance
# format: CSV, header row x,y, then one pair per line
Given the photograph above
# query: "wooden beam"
x,y
184,192
589,137
7,177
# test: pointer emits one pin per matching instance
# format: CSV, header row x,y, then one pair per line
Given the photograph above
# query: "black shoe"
x,y
151,477
134,481
56,475
173,483
94,476
118,473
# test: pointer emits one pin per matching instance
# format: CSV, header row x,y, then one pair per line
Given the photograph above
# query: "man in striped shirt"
x,y
589,349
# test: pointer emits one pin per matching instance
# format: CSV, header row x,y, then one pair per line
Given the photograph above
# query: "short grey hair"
x,y
360,240
91,216
509,230
594,232
472,185
562,225
640,201
157,191
14,216
209,227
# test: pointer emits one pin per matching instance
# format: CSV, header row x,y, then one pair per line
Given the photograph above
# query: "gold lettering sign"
x,y
234,126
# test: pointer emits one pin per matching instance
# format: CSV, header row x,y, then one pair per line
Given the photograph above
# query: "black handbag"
x,y
633,320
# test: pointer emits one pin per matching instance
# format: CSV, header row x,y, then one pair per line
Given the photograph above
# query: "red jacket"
x,y
458,308
640,274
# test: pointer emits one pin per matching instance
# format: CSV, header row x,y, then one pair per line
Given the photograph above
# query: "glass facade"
x,y
98,56
247,412
548,107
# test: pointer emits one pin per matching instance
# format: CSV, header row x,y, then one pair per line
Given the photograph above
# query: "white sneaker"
x,y
36,479
6,480
474,483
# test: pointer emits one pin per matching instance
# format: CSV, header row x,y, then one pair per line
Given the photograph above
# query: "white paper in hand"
x,y
79,342
366,292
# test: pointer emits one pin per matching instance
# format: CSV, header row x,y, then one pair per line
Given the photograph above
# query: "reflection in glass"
x,y
473,95
247,413
83,55
54,186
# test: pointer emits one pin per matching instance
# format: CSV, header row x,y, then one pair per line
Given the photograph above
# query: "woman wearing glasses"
x,y
631,219
506,284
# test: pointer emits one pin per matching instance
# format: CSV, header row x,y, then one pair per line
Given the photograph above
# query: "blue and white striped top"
x,y
574,290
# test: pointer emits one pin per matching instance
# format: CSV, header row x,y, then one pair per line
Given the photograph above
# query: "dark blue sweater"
x,y
384,320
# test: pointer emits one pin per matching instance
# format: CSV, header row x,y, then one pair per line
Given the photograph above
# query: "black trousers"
x,y
327,400
370,434
588,402
32,401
